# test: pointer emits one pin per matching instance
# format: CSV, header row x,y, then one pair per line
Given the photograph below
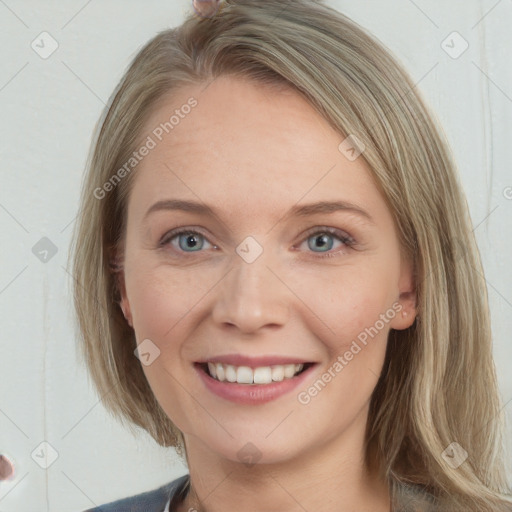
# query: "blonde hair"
x,y
438,383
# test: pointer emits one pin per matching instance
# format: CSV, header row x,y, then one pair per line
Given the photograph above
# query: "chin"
x,y
250,450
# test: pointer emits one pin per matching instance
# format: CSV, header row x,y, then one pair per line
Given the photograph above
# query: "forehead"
x,y
248,147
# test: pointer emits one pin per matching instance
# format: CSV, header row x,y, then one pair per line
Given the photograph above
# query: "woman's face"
x,y
263,286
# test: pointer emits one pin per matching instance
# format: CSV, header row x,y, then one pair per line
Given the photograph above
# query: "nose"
x,y
252,296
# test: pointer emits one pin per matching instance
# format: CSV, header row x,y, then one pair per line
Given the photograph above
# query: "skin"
x,y
206,7
252,155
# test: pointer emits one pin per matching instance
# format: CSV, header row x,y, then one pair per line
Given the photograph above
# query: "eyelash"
x,y
347,240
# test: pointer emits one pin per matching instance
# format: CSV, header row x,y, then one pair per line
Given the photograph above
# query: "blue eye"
x,y
190,240
194,240
323,237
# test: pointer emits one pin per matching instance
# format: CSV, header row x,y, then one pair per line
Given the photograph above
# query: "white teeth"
x,y
230,373
263,375
278,373
289,370
221,374
247,375
244,375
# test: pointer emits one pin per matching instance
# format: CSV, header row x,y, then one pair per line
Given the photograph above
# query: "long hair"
x,y
438,385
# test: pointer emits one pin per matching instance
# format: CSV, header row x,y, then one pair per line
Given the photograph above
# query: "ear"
x,y
124,303
116,267
407,297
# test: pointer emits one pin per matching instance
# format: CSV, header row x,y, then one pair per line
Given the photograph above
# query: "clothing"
x,y
156,500
165,498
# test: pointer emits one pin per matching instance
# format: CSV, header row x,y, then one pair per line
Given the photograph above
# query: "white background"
x,y
49,108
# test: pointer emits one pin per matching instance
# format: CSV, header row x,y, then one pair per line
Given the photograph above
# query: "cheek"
x,y
163,310
348,302
161,300
357,309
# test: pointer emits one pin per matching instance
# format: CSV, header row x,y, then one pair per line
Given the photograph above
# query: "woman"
x,y
276,274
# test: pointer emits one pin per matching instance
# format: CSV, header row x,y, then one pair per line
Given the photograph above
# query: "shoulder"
x,y
409,498
149,501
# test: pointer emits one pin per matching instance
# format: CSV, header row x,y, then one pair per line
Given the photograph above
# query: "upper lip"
x,y
254,362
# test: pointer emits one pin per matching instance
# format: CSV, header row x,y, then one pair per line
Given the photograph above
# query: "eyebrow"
x,y
321,207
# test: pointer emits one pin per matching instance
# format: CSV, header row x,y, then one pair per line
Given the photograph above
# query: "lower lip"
x,y
252,394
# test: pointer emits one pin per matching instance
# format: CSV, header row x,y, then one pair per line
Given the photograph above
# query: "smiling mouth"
x,y
251,376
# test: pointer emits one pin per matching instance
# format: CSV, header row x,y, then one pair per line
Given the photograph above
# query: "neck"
x,y
331,477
